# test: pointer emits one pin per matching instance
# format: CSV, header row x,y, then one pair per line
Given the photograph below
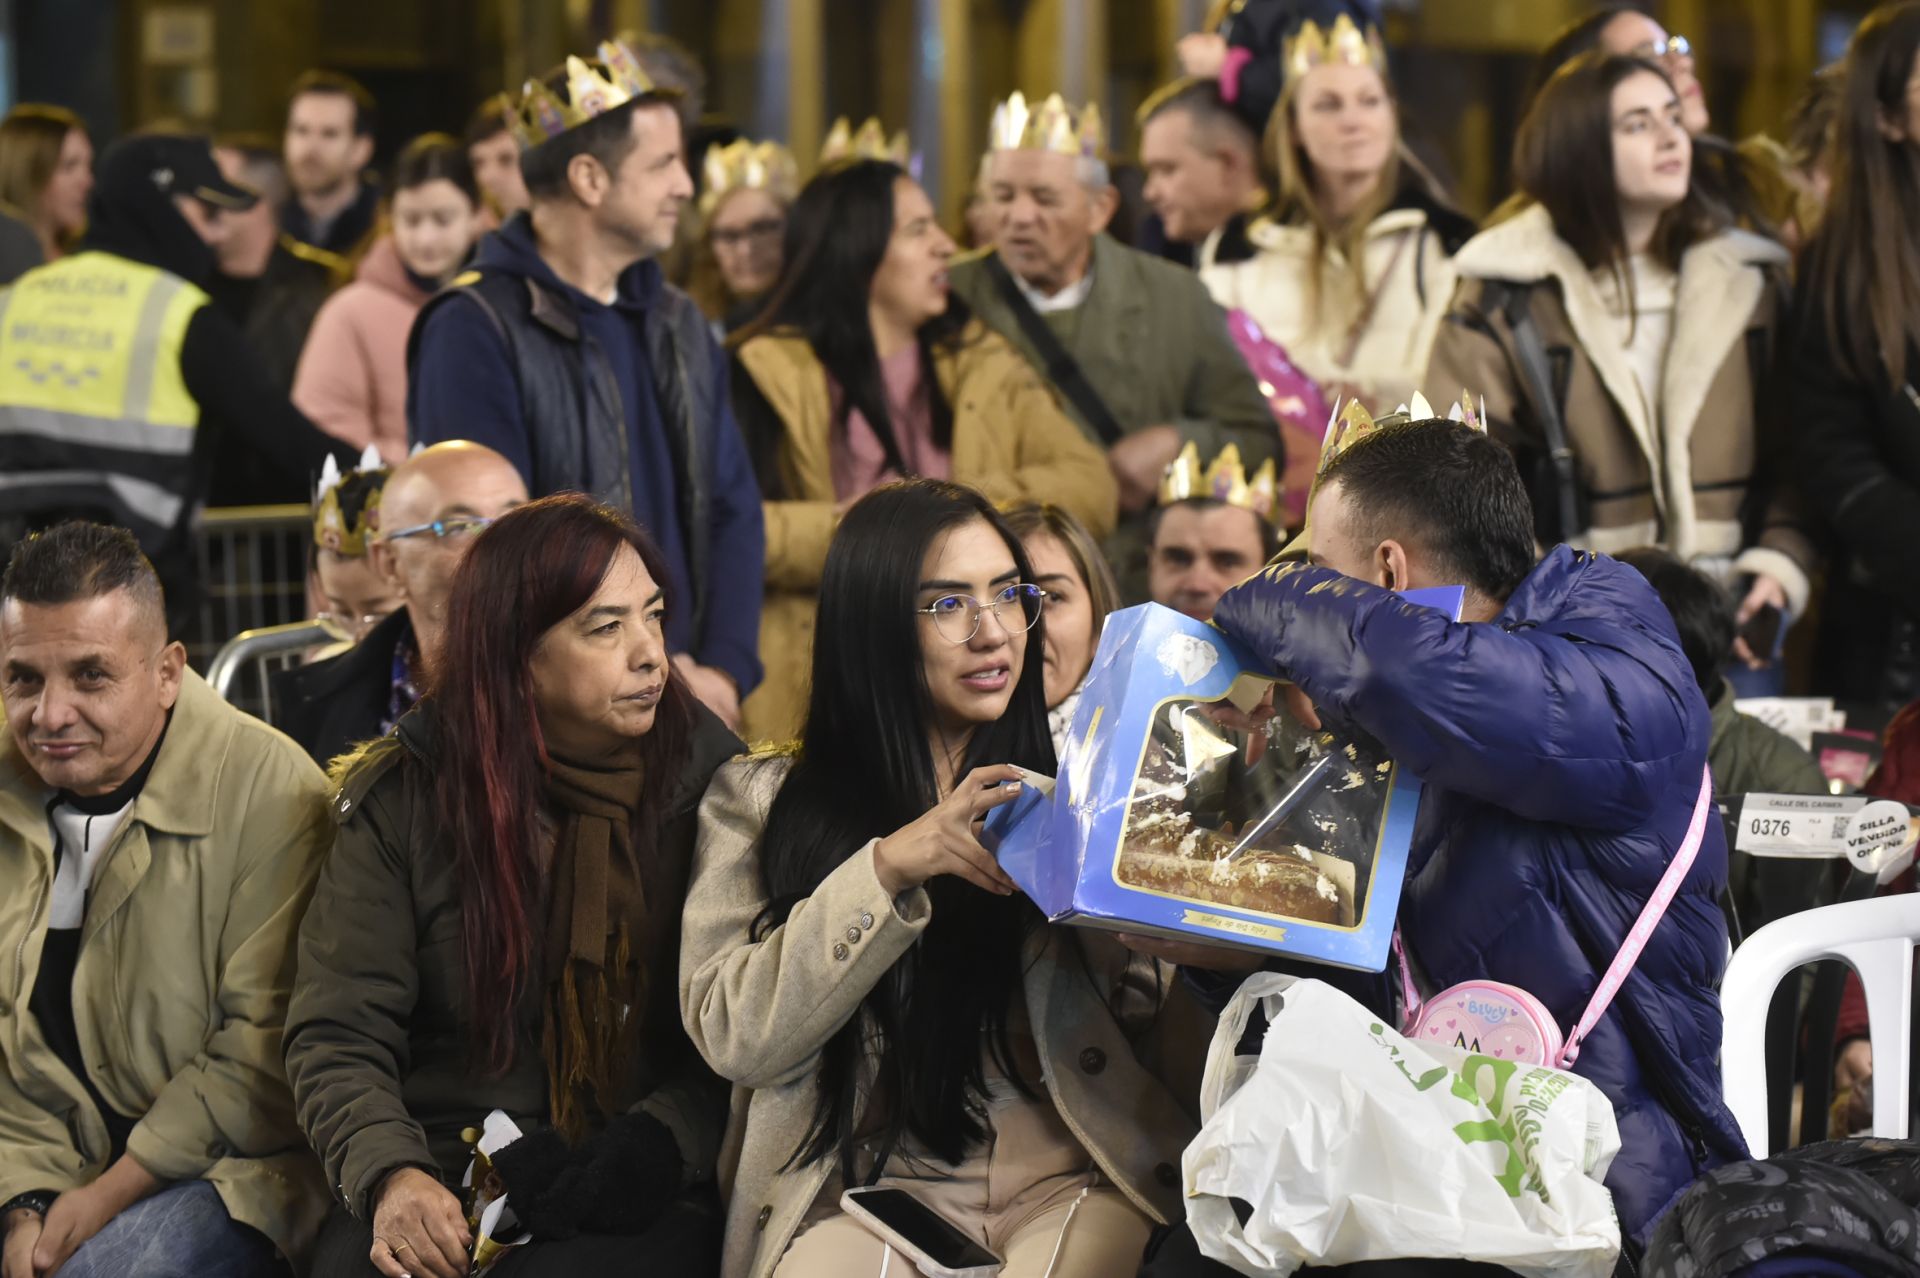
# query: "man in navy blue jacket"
x,y
566,350
1562,741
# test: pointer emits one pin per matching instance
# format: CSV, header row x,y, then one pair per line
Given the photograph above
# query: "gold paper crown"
x,y
1225,480
1343,42
741,165
1352,421
870,143
593,88
1052,126
331,530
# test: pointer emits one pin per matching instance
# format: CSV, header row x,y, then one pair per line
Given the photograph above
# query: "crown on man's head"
x,y
1223,480
592,89
744,165
1051,126
1343,42
870,142
1351,421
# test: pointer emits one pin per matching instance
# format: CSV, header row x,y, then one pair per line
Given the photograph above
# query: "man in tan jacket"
x,y
158,848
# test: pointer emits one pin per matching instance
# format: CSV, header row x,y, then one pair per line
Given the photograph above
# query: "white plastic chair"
x,y
1876,938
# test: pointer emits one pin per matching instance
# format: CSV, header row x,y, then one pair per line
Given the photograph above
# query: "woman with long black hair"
x,y
855,956
497,927
864,369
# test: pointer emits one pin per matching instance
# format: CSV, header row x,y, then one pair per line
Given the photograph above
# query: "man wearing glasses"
x,y
430,511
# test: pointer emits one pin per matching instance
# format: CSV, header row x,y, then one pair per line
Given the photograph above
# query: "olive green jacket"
x,y
186,962
1748,757
379,1035
1153,343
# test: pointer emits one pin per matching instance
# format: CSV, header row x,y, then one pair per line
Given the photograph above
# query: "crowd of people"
x,y
627,448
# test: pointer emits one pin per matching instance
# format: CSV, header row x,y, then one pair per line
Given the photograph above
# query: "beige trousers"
x,y
1029,1193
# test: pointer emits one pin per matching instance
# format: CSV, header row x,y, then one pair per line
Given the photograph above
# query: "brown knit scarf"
x,y
595,919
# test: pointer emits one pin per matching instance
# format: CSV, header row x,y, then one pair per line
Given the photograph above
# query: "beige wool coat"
x,y
1348,350
186,966
1124,1082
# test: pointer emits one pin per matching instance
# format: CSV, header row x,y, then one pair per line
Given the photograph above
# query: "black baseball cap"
x,y
175,164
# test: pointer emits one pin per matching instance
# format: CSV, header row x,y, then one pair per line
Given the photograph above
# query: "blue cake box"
x,y
1164,822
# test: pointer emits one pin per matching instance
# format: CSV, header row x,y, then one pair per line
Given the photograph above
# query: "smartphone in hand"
x,y
1762,633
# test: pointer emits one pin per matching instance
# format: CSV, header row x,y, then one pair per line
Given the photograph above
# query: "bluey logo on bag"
x,y
1491,1013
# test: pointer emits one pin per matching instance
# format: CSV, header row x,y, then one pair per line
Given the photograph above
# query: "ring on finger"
x,y
397,1248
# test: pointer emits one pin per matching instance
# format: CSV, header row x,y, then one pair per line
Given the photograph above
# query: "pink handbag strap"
x,y
1630,949
1642,930
1409,997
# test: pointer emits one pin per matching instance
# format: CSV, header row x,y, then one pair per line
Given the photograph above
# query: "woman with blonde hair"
x,y
46,173
1351,272
743,221
1079,591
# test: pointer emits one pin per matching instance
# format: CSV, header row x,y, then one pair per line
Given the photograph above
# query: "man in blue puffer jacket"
x,y
1562,741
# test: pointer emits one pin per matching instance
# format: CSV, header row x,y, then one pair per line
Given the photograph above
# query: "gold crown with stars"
x,y
592,88
1224,480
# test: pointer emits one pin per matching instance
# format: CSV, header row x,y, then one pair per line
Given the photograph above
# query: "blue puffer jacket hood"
x,y
1563,748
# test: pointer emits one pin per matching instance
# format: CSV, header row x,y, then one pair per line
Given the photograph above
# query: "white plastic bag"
x,y
1351,1143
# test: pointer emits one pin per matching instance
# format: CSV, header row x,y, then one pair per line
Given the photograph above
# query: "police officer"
x,y
118,383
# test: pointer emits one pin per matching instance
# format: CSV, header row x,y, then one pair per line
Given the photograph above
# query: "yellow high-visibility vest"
x,y
94,409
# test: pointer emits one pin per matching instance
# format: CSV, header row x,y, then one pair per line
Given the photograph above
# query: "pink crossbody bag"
x,y
1506,1022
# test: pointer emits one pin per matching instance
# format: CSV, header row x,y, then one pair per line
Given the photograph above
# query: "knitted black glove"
x,y
617,1181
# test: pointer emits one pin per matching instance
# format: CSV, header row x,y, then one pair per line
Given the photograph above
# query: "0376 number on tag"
x,y
1795,825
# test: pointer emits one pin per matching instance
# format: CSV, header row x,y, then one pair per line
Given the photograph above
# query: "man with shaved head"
x,y
157,848
433,506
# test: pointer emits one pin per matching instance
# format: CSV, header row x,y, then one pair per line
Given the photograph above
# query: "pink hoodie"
x,y
352,379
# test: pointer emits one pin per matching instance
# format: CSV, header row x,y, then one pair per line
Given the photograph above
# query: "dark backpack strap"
x,y
1513,300
1060,367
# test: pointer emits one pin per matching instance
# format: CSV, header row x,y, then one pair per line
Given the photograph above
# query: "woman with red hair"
x,y
497,929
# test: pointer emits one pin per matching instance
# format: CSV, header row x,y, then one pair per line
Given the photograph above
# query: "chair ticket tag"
x,y
1798,826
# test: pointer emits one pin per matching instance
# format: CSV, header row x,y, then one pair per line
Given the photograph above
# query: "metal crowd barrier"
x,y
252,567
242,671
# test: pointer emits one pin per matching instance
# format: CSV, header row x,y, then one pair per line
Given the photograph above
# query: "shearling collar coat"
x,y
1693,469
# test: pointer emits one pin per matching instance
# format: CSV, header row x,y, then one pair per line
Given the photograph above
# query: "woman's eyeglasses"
x,y
957,617
765,228
455,529
355,628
